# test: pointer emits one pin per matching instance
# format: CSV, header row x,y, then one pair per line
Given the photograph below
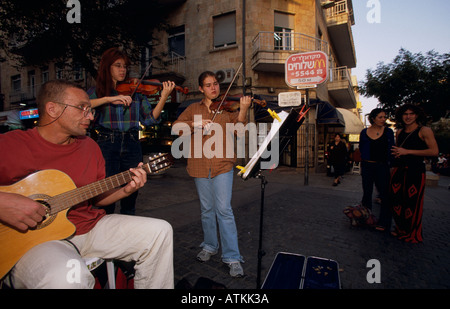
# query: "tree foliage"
x,y
412,78
36,32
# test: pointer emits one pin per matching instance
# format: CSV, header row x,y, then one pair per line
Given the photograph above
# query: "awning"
x,y
11,119
328,114
353,125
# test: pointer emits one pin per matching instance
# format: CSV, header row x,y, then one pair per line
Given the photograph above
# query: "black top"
x,y
378,148
411,141
338,153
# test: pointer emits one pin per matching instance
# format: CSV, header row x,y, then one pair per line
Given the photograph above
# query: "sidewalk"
x,y
302,219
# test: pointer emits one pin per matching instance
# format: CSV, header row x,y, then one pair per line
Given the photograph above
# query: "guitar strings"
x,y
70,198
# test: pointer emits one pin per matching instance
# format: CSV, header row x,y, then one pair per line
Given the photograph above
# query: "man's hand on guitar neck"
x,y
20,212
112,196
139,180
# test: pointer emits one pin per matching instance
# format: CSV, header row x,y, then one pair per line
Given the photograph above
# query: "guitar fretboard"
x,y
73,197
79,195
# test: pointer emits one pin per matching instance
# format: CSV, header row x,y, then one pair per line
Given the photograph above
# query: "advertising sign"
x,y
29,113
306,70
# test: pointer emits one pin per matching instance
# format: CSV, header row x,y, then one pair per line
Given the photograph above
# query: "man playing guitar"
x,y
42,160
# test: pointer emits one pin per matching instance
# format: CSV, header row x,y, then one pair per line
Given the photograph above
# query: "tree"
x,y
411,78
36,32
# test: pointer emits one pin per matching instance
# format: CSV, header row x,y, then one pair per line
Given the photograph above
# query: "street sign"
x,y
293,98
306,70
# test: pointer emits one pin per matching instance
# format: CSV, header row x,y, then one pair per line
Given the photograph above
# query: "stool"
x,y
93,263
356,168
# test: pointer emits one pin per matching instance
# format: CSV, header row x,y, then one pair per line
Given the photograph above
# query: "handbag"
x,y
360,216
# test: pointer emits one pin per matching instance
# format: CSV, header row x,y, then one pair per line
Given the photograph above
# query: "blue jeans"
x,y
215,201
122,151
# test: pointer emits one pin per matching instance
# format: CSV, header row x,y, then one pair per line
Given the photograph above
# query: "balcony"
x,y
171,66
340,19
340,88
23,95
271,49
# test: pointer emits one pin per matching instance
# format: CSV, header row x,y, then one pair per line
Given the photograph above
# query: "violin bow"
x,y
137,86
226,93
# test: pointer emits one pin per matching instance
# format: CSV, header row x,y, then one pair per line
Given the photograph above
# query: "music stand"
x,y
284,131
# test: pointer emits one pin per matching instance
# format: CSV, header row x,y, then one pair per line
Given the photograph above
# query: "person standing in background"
x,y
338,158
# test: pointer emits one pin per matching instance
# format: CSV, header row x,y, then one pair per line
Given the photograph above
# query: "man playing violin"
x,y
118,118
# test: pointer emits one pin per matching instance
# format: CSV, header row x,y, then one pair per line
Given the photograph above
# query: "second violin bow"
x,y
226,93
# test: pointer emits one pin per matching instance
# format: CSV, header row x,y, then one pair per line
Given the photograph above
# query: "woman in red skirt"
x,y
414,142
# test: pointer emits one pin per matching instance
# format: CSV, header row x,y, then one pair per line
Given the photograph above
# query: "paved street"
x,y
306,220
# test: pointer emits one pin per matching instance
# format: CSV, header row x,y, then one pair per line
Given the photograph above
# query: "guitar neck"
x,y
73,197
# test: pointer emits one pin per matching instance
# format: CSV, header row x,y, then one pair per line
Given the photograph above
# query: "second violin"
x,y
145,87
231,103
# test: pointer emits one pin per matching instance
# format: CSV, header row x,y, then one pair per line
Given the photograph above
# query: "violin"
x,y
231,103
145,87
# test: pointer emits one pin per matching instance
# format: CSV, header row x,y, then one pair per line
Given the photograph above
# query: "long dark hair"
x,y
421,117
104,84
374,113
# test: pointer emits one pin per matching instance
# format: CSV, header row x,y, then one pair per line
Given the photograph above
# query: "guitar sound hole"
x,y
47,218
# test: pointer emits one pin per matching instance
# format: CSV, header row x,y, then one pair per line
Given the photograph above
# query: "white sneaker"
x,y
204,255
236,269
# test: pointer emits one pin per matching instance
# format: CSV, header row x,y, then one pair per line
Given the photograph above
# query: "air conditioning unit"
x,y
225,76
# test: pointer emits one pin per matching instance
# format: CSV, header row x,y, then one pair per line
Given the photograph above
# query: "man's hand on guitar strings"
x,y
20,212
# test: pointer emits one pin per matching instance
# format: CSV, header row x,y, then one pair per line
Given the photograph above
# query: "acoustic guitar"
x,y
58,193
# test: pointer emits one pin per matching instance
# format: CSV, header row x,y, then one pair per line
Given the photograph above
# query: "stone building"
x,y
261,35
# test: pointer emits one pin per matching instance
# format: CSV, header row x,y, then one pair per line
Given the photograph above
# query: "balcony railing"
x,y
340,11
287,41
341,74
341,87
23,94
177,63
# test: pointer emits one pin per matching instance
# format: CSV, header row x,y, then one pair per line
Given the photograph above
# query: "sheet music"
x,y
276,125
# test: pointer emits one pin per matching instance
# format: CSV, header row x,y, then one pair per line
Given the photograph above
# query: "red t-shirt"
x,y
25,152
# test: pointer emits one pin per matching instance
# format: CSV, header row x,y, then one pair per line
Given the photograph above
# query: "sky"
x,y
379,34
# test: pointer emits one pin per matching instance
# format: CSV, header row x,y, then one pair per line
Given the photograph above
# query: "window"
x,y
177,41
59,70
44,74
77,71
283,31
224,30
32,83
146,58
16,83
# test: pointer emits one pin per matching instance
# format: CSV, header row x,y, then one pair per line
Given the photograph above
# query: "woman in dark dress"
x,y
338,158
414,142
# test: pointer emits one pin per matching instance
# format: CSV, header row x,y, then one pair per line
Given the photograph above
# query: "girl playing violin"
x,y
118,117
213,172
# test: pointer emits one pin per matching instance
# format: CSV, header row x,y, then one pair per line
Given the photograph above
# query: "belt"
x,y
110,131
368,161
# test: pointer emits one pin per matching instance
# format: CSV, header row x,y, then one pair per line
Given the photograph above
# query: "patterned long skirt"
x,y
406,195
